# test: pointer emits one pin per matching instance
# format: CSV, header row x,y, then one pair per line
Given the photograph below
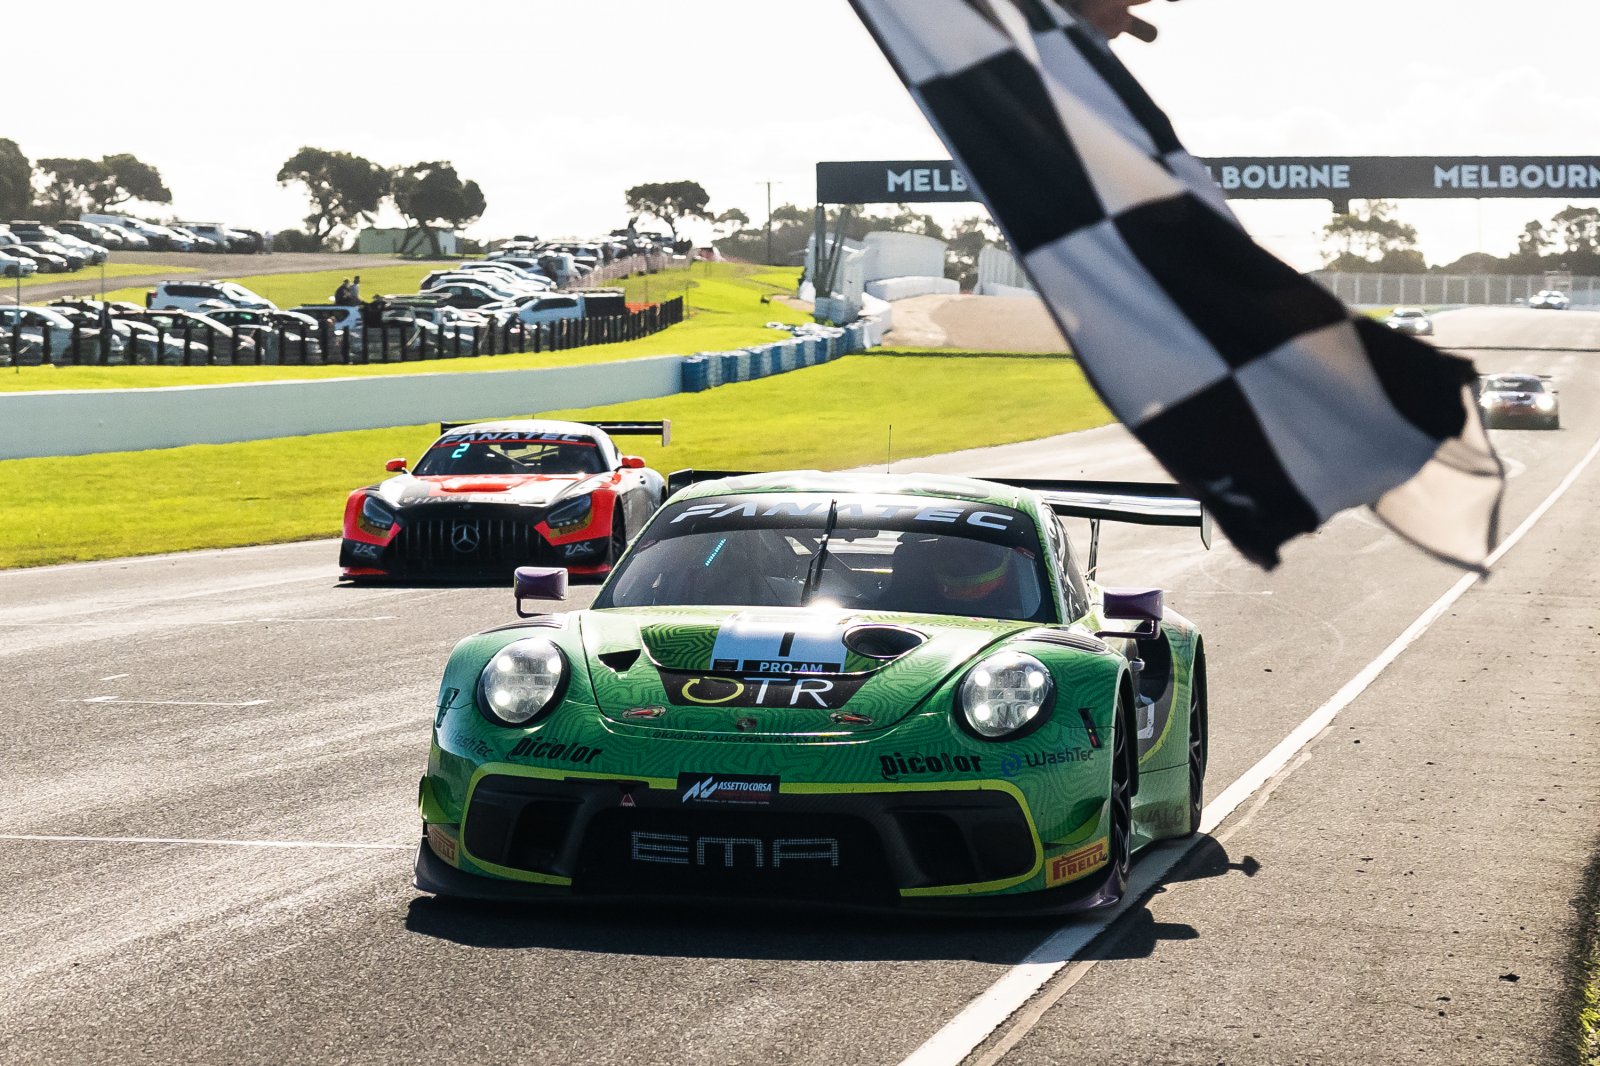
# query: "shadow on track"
x,y
765,930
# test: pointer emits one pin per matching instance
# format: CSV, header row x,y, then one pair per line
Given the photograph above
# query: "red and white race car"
x,y
488,497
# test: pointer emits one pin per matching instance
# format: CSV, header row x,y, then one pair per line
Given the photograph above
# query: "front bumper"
x,y
950,847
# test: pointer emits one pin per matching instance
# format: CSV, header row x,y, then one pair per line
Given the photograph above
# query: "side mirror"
x,y
395,466
1142,606
632,462
539,583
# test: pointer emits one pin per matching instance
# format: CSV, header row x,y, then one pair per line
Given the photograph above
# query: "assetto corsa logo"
x,y
715,788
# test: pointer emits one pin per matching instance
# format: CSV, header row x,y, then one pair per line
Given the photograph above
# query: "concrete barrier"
x,y
91,421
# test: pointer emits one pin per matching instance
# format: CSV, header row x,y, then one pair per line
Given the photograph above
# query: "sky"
x,y
555,108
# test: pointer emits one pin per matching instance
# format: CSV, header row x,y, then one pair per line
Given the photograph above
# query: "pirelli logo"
x,y
1075,864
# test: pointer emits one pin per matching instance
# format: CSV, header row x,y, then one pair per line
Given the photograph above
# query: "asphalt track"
x,y
209,823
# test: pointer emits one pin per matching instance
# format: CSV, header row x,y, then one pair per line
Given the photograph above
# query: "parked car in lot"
x,y
37,233
43,261
401,322
131,241
541,310
75,260
220,341
1550,300
61,336
228,240
145,343
206,295
284,332
15,266
105,236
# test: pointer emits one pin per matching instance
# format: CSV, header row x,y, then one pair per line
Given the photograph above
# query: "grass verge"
x,y
1584,972
90,276
215,496
724,303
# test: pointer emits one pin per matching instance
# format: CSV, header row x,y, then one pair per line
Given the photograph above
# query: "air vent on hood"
x,y
882,641
619,661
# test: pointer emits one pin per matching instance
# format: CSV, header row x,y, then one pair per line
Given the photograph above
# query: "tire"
x,y
1121,801
619,537
1199,745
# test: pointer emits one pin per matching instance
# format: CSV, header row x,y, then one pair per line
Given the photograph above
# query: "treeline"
x,y
346,190
54,189
1371,239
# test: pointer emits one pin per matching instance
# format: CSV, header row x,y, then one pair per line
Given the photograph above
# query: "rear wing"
x,y
611,429
1141,503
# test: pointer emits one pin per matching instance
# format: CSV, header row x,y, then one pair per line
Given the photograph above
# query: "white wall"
x,y
999,272
904,255
114,420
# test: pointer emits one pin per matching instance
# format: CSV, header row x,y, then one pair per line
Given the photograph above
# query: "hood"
x,y
520,490
774,671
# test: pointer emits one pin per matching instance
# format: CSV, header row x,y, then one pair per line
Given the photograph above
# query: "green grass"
x,y
213,496
89,277
724,303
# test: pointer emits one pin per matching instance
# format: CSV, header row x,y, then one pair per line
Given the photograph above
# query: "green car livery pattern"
x,y
836,764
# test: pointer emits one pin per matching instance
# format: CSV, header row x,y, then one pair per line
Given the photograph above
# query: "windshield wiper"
x,y
818,561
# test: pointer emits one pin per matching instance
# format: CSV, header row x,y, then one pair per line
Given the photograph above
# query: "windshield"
x,y
1406,312
510,453
1512,384
878,553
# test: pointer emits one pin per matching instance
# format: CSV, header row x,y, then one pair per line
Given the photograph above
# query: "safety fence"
x,y
193,342
1446,290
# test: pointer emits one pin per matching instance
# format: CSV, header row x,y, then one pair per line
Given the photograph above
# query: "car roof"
x,y
933,486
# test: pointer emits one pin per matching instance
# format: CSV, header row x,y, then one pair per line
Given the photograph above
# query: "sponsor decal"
x,y
1015,762
645,712
806,693
511,437
740,791
555,751
1075,864
729,853
894,767
442,843
950,513
748,645
467,744
363,550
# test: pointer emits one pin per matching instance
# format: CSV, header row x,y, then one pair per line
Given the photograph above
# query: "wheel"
x,y
619,538
1121,801
1199,742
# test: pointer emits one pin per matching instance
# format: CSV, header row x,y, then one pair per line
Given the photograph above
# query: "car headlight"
x,y
571,515
1544,402
1004,695
377,514
521,681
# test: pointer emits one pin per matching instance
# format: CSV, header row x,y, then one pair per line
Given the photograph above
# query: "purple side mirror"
x,y
1143,606
539,583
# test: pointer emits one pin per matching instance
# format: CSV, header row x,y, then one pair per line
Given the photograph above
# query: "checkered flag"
x,y
1253,386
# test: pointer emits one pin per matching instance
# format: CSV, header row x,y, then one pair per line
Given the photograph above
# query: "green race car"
x,y
857,689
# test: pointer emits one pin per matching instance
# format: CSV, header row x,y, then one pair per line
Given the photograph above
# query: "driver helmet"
x,y
966,571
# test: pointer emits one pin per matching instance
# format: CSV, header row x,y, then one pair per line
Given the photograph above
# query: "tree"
x,y
669,201
1367,236
344,189
433,194
966,244
1579,229
127,177
16,181
731,221
69,186
1534,241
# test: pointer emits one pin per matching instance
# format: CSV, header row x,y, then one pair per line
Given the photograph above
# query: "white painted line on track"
x,y
193,622
964,1033
170,703
333,845
116,677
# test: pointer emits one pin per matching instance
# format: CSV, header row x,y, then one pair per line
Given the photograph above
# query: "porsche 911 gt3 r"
x,y
488,497
867,690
